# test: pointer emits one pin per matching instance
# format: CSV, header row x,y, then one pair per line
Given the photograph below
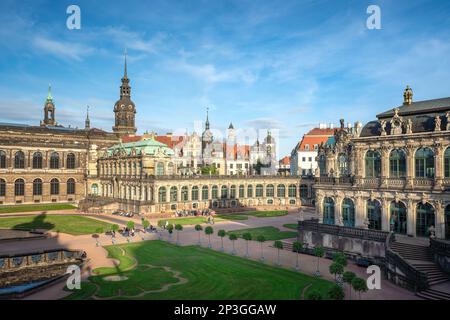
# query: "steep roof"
x,y
285,161
315,136
148,145
419,107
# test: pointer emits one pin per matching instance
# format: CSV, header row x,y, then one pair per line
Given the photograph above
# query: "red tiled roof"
x,y
127,139
243,150
170,141
319,132
315,136
285,161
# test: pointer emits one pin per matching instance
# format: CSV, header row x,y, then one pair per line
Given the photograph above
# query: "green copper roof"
x,y
150,147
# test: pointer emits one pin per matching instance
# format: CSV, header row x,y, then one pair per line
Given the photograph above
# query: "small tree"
x,y
179,228
359,285
279,245
340,258
209,231
198,228
319,253
297,247
261,239
170,230
336,268
145,224
115,227
313,295
130,225
348,277
336,292
233,237
247,237
221,234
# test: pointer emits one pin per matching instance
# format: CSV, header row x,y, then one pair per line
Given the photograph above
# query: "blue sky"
x,y
285,65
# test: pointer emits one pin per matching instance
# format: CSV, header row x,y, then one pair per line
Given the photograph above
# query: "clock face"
x,y
130,107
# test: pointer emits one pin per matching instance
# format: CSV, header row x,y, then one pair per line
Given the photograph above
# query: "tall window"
x,y
160,169
424,163
233,192
281,191
170,168
241,191
71,186
397,163
447,222
328,211
322,165
37,187
259,190
70,161
374,214
269,190
2,159
54,161
205,193
214,192
2,187
343,165
194,193
184,193
37,160
54,186
348,213
303,191
373,164
19,160
398,217
292,191
224,192
19,187
250,191
173,194
94,189
447,163
425,218
162,194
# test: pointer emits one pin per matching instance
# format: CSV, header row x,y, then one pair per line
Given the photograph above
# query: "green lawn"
x,y
75,225
270,233
266,214
36,207
201,219
291,225
210,275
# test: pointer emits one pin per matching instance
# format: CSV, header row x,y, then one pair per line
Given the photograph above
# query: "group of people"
x,y
185,213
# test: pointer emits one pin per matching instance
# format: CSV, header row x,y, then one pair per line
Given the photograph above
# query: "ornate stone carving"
x,y
408,126
437,123
396,123
383,127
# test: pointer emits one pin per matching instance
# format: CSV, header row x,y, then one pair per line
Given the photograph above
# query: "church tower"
x,y
49,110
124,109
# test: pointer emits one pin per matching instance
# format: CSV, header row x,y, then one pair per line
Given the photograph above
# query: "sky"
x,y
280,65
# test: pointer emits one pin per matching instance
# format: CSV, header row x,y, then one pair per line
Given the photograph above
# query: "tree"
x,y
209,231
247,237
170,230
313,295
318,252
206,170
233,237
261,239
359,285
348,277
336,268
145,224
221,234
198,228
115,227
130,225
336,292
179,228
297,246
279,245
340,258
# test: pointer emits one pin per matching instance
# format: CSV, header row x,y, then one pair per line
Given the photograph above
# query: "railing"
x,y
396,182
371,182
204,177
423,182
440,247
335,180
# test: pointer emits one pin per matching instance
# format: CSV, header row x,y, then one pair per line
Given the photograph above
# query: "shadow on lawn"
x,y
37,223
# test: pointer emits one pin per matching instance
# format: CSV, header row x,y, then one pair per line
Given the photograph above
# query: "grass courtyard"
x,y
36,207
270,233
75,225
159,270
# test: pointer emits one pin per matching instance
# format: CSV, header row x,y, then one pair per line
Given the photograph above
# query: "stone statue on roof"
x,y
437,123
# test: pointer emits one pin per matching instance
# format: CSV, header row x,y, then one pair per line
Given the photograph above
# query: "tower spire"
x,y
87,122
125,68
207,119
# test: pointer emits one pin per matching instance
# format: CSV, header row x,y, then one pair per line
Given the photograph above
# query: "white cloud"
x,y
61,49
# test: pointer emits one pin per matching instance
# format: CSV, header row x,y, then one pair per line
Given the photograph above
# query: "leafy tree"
x,y
221,234
170,230
313,295
348,277
336,292
319,253
179,228
340,258
115,227
198,228
261,239
336,268
359,285
247,237
279,245
206,170
297,247
209,231
233,237
130,225
145,224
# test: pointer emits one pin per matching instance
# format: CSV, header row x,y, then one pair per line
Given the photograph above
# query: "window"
x,y
71,186
70,161
231,166
328,211
19,187
425,218
184,193
398,217
316,147
205,193
241,191
447,163
94,189
259,190
2,187
424,163
194,193
307,147
162,194
224,192
54,160
397,163
373,164
281,191
233,192
54,186
348,213
250,191
19,160
173,194
2,159
304,159
37,187
322,165
269,190
374,214
447,222
343,165
303,191
292,191
214,192
160,169
170,170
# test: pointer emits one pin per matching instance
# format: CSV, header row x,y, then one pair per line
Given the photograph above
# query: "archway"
x,y
398,217
328,211
425,218
374,214
348,213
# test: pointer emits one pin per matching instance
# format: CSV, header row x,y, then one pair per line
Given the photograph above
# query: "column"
x,y
409,166
438,162
359,212
338,210
385,226
384,167
439,219
411,218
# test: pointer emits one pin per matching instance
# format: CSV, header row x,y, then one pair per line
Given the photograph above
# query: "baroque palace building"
x,y
391,175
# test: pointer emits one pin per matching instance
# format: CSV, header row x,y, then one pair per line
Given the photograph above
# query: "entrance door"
x,y
425,219
398,218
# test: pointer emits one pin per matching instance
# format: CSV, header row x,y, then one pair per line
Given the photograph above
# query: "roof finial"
x,y
49,96
207,119
407,96
125,68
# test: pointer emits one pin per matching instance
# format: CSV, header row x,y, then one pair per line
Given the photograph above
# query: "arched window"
x,y
425,218
374,214
328,211
70,161
54,186
37,187
249,191
194,193
343,164
170,168
233,192
37,160
214,192
71,186
447,163
224,192
160,169
2,159
373,164
447,222
348,213
19,160
281,191
397,163
424,163
162,194
173,194
303,191
54,160
241,191
184,193
2,187
19,187
398,217
135,168
205,193
292,191
269,190
259,190
94,189
322,165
